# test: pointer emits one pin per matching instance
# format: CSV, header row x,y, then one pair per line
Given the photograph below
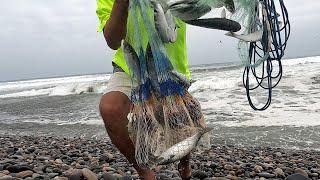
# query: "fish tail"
x,y
205,130
229,34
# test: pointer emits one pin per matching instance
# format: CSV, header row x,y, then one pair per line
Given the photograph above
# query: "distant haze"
x,y
57,38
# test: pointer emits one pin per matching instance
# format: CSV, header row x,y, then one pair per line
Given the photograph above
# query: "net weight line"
x,y
268,79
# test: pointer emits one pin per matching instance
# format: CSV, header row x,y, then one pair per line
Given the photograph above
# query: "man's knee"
x,y
111,109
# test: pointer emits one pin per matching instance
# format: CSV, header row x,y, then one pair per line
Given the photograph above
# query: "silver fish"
x,y
194,9
164,23
229,4
167,4
252,37
216,23
223,13
181,149
188,12
132,60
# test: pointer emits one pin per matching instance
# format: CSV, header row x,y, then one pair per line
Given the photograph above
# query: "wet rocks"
x,y
7,177
89,174
17,168
297,176
279,173
258,168
24,174
301,171
200,174
75,175
77,158
108,176
266,175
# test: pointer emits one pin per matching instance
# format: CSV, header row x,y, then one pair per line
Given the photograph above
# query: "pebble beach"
x,y
32,157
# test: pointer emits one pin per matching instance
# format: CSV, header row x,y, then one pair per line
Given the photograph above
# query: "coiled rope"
x,y
272,46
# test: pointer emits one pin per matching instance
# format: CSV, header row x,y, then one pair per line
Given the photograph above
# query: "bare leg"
x,y
185,168
114,108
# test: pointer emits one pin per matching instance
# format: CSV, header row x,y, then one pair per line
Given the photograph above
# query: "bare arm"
x,y
115,29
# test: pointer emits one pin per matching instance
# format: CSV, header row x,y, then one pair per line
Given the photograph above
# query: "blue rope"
x,y
280,38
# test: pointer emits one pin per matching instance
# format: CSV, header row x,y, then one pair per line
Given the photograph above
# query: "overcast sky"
x,y
56,38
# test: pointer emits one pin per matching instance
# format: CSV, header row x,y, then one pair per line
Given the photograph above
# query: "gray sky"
x,y
56,38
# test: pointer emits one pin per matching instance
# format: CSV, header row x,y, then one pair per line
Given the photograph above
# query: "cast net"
x,y
163,112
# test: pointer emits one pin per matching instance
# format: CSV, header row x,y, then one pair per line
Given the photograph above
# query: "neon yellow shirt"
x,y
177,51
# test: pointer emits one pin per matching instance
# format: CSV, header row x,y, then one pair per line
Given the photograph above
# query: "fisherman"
x,y
115,103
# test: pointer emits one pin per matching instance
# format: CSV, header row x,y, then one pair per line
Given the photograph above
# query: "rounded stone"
x,y
58,161
200,174
7,177
301,171
278,154
228,167
107,176
118,176
87,173
258,168
18,168
24,174
266,175
76,175
126,178
52,175
163,177
297,176
60,178
6,172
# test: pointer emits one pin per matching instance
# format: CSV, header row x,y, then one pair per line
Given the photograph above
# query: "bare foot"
x,y
147,175
185,170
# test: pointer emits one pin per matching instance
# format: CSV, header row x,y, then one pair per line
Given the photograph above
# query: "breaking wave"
x,y
55,86
208,77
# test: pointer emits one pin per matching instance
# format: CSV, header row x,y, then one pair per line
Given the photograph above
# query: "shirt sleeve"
x,y
104,8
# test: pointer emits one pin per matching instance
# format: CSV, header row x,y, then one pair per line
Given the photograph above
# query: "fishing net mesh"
x,y
156,126
163,112
248,18
211,3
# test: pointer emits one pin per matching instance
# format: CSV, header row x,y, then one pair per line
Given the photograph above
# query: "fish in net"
x,y
164,113
190,11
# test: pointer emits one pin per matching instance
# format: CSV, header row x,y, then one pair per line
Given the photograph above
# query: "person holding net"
x,y
115,103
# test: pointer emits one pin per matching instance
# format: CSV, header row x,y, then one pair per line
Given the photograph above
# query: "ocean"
x,y
68,106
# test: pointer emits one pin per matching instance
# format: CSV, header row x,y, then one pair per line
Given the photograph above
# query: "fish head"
x,y
132,60
127,48
165,161
229,4
205,130
152,71
223,13
187,12
160,160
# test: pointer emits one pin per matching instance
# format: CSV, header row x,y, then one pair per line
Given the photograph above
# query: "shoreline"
x,y
33,157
